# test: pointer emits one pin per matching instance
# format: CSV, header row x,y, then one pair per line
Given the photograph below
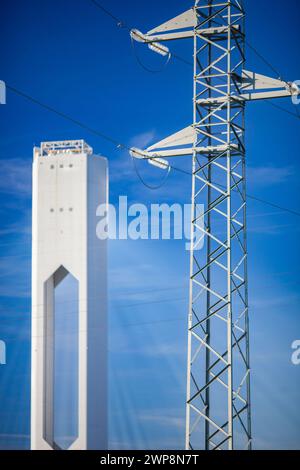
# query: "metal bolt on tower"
x,y
218,406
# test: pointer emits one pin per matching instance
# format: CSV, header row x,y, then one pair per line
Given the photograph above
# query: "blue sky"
x,y
71,56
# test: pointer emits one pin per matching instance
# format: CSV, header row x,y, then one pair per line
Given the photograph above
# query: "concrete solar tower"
x,y
69,325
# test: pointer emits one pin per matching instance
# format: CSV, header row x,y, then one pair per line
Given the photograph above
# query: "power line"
x,y
118,144
64,116
284,110
148,322
143,65
182,59
118,21
291,211
121,24
265,61
76,300
264,201
150,186
125,325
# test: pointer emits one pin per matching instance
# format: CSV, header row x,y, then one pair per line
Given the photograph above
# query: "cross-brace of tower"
x,y
218,406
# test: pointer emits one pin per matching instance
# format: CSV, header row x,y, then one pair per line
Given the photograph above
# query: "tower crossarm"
x,y
251,86
180,27
183,26
179,144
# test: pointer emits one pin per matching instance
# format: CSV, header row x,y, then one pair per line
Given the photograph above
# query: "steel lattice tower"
x,y
218,406
218,395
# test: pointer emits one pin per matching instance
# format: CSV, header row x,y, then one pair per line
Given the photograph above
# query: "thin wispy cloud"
x,y
269,175
160,418
273,229
143,140
15,228
275,301
15,177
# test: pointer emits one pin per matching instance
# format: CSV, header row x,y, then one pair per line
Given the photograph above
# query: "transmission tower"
x,y
218,405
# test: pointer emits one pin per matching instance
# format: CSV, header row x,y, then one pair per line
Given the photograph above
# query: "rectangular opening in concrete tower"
x,y
62,360
66,342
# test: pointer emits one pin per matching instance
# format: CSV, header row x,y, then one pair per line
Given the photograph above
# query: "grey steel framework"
x,y
218,394
218,406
